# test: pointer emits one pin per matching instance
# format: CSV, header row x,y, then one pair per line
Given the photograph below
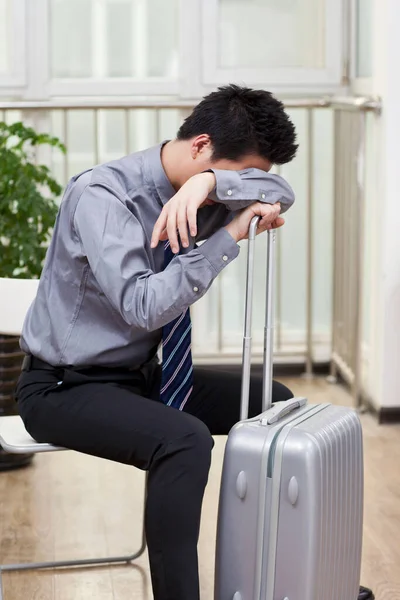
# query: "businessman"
x,y
121,272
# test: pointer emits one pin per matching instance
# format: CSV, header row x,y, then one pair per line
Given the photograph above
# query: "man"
x,y
120,274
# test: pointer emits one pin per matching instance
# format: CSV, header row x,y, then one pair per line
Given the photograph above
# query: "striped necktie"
x,y
177,368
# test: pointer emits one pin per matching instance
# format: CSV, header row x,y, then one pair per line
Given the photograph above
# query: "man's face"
x,y
202,160
202,151
251,161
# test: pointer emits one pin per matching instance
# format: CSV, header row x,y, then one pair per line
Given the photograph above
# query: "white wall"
x,y
382,327
371,293
388,85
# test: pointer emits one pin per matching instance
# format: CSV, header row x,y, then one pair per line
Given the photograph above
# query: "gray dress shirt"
x,y
103,296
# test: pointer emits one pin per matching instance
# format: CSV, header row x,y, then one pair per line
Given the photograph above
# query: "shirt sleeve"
x,y
119,255
238,189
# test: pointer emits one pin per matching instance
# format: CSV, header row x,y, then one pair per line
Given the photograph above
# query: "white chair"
x,y
15,439
16,295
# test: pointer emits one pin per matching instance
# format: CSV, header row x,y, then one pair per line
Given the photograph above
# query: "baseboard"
x,y
385,415
388,414
280,369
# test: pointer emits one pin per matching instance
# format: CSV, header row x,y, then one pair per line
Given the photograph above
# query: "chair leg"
x,y
69,563
76,563
73,563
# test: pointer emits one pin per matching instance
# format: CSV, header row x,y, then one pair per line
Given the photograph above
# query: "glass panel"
x,y
271,34
162,40
364,38
115,38
291,259
71,38
81,132
113,143
324,183
5,38
120,57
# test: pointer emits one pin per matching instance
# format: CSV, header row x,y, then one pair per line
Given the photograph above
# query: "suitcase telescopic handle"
x,y
268,328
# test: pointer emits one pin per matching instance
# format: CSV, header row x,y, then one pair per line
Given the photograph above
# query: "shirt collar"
x,y
156,174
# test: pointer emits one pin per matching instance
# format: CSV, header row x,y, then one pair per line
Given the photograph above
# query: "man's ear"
x,y
201,147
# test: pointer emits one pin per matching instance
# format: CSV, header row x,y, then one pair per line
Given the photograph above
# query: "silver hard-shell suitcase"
x,y
291,502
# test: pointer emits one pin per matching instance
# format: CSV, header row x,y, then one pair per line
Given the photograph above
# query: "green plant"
x,y
28,196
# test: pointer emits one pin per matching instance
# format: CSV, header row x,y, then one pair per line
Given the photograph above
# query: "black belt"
x,y
32,362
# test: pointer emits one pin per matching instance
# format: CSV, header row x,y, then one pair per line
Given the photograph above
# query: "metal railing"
x,y
349,159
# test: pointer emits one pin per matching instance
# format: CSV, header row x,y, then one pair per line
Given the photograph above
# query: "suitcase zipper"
x,y
268,585
266,490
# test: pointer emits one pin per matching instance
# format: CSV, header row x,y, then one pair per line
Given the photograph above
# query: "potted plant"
x,y
28,210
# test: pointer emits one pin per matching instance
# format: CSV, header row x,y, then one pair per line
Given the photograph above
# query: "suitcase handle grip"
x,y
281,409
268,329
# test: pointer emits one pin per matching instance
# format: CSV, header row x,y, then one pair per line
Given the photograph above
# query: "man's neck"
x,y
174,162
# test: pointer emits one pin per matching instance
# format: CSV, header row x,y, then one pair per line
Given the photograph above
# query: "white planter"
x,y
16,295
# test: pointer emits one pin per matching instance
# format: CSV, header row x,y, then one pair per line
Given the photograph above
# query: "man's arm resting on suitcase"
x,y
238,228
234,189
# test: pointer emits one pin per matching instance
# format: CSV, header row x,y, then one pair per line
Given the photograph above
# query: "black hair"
x,y
242,121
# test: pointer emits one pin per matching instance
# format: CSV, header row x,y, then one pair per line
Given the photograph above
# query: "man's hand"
x,y
270,219
181,210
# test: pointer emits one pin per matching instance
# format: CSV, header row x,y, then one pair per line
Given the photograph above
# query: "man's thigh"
x,y
105,420
216,397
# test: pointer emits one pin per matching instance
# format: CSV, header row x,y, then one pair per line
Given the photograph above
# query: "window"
x,y
248,41
173,48
256,33
115,46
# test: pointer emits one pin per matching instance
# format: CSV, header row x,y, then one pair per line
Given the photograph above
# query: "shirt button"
x,y
195,289
263,196
229,192
224,258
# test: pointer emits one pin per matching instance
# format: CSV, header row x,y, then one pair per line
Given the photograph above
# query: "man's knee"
x,y
197,443
201,441
280,392
192,447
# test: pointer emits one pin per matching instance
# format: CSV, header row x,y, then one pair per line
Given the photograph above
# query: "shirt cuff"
x,y
228,185
238,189
220,249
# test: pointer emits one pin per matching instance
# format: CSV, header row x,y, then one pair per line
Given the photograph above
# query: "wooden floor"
x,y
69,505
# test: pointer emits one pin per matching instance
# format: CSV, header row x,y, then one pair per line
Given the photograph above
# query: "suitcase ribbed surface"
x,y
300,542
341,493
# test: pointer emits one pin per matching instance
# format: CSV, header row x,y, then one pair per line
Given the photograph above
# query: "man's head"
x,y
236,128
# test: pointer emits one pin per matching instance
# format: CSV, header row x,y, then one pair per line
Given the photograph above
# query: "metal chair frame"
x,y
15,439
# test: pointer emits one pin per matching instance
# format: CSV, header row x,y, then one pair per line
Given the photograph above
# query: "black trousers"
x,y
117,415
